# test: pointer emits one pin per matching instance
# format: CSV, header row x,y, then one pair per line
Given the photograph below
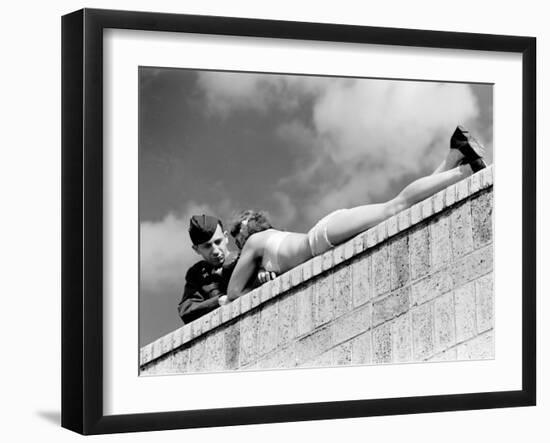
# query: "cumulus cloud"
x,y
361,135
380,131
286,211
228,91
165,250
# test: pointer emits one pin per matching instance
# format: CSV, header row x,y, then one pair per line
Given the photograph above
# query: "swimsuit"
x,y
270,260
318,237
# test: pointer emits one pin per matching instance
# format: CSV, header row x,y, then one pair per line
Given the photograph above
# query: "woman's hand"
x,y
223,300
265,276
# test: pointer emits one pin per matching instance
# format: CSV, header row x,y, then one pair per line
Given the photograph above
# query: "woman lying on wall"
x,y
278,251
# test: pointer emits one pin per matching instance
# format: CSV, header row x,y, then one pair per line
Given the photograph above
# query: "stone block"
x,y
473,266
475,182
462,190
349,249
341,355
381,270
423,332
426,208
155,369
156,349
359,244
232,345
404,220
147,370
167,343
487,177
432,286
396,303
439,201
145,354
361,349
205,319
399,262
285,282
246,302
304,310
215,318
382,344
448,355
392,225
362,278
235,308
180,361
255,298
328,259
419,251
167,365
481,347
323,305
296,276
215,358
462,241
482,219
444,322
416,213
248,344
198,356
186,333
307,270
284,358
276,287
382,231
317,265
484,303
267,336
342,291
321,361
372,238
355,323
401,334
465,311
313,345
338,254
286,320
226,313
177,338
450,195
196,328
440,241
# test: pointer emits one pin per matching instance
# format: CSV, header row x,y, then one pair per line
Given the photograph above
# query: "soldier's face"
x,y
214,251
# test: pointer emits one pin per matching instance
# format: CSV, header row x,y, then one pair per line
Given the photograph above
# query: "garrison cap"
x,y
202,228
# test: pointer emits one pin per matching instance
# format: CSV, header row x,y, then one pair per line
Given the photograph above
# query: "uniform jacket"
x,y
203,287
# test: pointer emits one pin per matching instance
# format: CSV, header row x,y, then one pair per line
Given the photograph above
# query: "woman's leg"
x,y
452,160
343,226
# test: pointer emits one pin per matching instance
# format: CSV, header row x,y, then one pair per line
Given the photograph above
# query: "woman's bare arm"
x,y
245,268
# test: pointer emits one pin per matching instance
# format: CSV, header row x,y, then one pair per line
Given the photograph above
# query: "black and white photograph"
x,y
275,221
291,221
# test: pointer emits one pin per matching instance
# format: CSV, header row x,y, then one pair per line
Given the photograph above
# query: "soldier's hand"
x,y
223,300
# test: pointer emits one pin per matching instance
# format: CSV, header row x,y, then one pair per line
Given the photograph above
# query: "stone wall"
x,y
417,287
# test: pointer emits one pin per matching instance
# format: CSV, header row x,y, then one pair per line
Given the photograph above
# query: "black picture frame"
x,y
82,220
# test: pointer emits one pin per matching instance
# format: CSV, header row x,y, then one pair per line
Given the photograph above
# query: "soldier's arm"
x,y
193,304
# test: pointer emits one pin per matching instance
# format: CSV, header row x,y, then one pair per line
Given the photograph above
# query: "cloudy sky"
x,y
296,146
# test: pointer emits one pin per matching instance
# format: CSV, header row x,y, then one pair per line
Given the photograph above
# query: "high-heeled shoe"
x,y
472,150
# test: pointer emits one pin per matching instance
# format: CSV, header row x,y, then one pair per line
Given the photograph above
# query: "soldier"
x,y
206,281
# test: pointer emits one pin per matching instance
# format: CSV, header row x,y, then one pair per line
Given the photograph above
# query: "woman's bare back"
x,y
293,250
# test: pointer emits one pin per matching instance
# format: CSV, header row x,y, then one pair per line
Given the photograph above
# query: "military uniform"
x,y
203,287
